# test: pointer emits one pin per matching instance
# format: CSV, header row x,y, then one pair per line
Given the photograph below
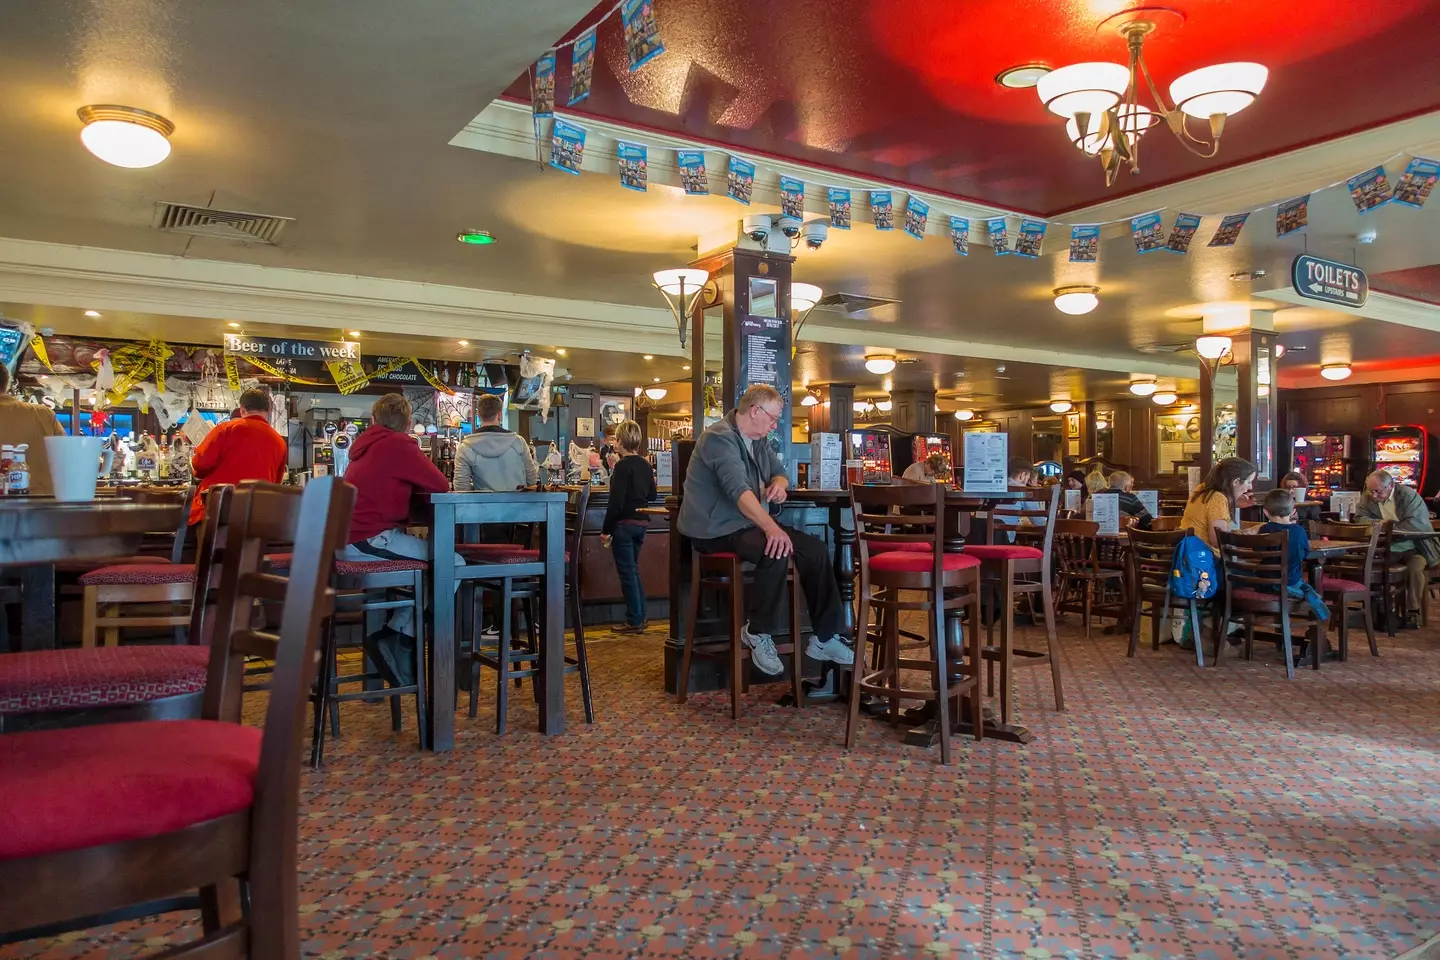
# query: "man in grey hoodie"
x,y
732,475
493,458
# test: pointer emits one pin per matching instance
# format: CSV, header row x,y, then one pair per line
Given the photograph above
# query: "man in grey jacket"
x,y
1385,499
493,458
733,474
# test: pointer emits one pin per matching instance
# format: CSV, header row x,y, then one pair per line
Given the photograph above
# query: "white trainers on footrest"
x,y
762,651
836,650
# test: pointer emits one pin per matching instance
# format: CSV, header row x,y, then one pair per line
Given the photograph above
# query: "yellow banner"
x,y
159,353
349,375
37,345
232,372
277,372
430,378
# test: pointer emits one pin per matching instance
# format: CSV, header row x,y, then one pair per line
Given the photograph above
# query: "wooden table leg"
x,y
844,568
38,614
443,650
552,644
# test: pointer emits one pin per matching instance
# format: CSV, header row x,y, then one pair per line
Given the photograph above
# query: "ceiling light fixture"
x,y
1022,76
96,313
476,238
811,399
654,379
1061,406
884,406
964,414
1335,371
1279,350
125,136
681,288
1164,398
1213,348
1100,101
1077,299
1248,275
656,393
803,297
463,343
649,356
560,350
233,325
1143,388
352,333
880,365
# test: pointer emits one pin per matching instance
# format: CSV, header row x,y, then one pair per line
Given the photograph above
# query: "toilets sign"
x,y
1329,282
276,348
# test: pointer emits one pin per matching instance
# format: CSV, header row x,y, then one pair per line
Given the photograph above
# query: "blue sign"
x,y
1329,282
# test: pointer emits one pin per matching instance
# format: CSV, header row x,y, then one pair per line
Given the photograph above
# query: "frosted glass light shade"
x,y
1061,406
669,280
803,296
656,393
1083,88
964,414
1212,348
1335,371
1225,88
1143,388
1133,120
1164,398
880,365
1076,300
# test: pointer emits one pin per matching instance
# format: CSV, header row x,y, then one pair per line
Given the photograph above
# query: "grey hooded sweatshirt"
x,y
493,458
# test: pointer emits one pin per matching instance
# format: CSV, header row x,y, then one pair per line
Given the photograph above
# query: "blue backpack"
x,y
1193,573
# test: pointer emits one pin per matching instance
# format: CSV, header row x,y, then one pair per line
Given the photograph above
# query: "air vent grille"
x,y
854,302
220,224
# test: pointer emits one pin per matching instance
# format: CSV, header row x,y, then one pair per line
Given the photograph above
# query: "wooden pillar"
x,y
913,411
835,413
1089,445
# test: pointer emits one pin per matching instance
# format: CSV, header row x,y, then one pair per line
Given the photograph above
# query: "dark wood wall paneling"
x,y
1356,409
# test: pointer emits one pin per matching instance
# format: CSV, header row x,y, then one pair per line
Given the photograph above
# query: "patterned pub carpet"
x,y
1169,812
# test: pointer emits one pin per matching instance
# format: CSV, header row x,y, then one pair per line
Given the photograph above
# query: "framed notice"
x,y
986,456
1072,426
584,426
1105,511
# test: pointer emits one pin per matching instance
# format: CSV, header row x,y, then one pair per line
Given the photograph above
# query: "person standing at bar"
x,y
1385,499
632,487
247,448
733,475
493,458
30,424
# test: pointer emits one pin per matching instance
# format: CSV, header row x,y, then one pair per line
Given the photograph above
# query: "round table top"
x,y
42,530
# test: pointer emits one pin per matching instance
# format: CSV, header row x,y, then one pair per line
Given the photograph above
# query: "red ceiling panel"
x,y
903,90
1419,283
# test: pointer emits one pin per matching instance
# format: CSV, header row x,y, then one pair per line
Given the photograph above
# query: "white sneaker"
x,y
836,650
762,651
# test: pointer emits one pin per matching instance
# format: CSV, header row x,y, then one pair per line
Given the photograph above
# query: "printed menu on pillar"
x,y
986,455
1105,511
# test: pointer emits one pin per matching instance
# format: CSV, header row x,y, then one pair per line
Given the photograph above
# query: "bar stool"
x,y
725,572
1000,564
911,559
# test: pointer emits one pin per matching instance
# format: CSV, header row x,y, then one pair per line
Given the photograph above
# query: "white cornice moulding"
x,y
1385,307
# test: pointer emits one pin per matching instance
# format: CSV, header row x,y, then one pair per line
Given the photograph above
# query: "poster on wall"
x,y
642,32
839,199
1292,216
582,67
542,97
567,147
1032,235
1182,233
882,209
1414,186
917,217
634,165
792,197
692,172
1148,231
763,351
740,180
1084,243
960,235
999,235
986,456
1229,230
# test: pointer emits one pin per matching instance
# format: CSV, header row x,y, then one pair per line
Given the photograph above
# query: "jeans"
x,y
767,599
1303,591
625,544
393,545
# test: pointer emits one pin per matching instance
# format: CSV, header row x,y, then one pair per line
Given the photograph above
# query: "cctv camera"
x,y
815,232
757,228
790,226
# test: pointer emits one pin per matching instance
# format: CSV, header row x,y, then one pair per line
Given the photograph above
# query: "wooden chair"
x,y
121,818
1351,579
1077,555
1255,574
1152,557
903,518
1390,578
44,689
1165,524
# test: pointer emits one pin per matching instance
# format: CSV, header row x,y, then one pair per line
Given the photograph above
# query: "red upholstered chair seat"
x,y
87,786
1003,551
1254,596
911,547
908,562
1341,585
139,574
98,677
353,568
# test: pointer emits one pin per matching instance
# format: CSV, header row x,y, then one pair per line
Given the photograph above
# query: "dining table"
x,y
460,515
36,533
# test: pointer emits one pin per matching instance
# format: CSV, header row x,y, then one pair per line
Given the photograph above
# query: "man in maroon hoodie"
x,y
388,468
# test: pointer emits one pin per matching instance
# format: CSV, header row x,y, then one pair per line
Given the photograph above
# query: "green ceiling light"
x,y
475,238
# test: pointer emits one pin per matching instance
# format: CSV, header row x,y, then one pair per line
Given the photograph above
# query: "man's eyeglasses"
x,y
774,418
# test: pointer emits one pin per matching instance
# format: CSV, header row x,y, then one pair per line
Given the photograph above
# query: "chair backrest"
x,y
182,497
1022,510
1152,554
575,507
1254,561
213,532
1075,546
898,513
1164,524
1352,567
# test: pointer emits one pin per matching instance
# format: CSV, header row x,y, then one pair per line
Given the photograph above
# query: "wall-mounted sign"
x,y
284,348
1329,282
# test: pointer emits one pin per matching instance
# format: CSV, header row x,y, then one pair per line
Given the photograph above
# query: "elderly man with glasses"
x,y
1385,499
733,474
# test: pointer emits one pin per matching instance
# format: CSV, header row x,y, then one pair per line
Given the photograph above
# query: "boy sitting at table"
x,y
1279,510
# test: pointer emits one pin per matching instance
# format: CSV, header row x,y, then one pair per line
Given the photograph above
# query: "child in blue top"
x,y
1280,518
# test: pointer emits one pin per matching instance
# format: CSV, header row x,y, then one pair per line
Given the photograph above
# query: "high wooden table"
x,y
38,532
452,510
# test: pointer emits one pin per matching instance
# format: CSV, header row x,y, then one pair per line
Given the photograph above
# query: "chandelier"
x,y
1103,114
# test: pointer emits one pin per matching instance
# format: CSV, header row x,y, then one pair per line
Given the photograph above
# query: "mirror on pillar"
x,y
1264,408
1222,426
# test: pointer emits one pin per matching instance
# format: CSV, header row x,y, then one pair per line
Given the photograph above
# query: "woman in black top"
x,y
632,486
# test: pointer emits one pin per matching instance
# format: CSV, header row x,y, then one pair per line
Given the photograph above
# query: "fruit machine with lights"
x,y
1407,453
872,448
1324,459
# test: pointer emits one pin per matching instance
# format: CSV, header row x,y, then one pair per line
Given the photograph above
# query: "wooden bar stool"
x,y
725,572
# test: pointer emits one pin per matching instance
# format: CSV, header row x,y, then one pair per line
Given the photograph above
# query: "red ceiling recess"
x,y
904,90
1419,283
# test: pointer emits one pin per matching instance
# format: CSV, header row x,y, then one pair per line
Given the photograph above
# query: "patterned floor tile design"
x,y
1169,813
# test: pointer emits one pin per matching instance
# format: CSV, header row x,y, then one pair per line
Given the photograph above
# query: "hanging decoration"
x,y
542,93
1032,235
349,375
567,147
1414,186
1182,232
232,372
274,371
1292,216
917,217
634,165
582,67
882,209
999,235
1148,232
960,235
792,198
1369,189
1084,243
740,180
692,172
1229,230
839,198
430,377
642,32
536,376
37,346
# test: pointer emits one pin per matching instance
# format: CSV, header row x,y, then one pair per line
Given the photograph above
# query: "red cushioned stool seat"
x,y
908,547
1341,585
139,574
42,680
1258,596
512,555
87,786
907,562
722,555
1003,551
353,568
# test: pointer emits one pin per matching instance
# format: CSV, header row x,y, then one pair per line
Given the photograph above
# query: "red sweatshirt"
x,y
244,449
386,469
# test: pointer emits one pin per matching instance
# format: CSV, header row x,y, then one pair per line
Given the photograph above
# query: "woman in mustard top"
x,y
1212,505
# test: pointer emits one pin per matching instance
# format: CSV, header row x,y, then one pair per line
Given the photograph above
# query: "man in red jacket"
x,y
388,468
247,448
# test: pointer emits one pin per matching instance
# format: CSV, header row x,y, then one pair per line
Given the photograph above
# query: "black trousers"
x,y
766,600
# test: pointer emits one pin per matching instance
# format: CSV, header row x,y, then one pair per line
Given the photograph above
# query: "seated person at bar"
x,y
1095,481
387,469
632,486
493,458
1385,499
933,469
30,424
243,448
733,474
1212,506
1279,509
1130,505
1075,480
